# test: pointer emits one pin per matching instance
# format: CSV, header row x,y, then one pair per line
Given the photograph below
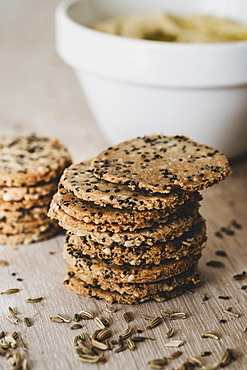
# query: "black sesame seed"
x,y
221,253
223,321
224,297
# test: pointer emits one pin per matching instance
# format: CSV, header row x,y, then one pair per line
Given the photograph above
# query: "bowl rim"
x,y
66,4
141,55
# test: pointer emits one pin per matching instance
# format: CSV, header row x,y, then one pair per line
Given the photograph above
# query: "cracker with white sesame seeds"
x,y
28,192
135,293
191,242
109,218
29,160
46,231
80,180
25,203
89,269
160,163
25,215
175,226
23,227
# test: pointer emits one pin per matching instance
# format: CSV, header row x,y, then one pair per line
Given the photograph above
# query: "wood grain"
x,y
40,94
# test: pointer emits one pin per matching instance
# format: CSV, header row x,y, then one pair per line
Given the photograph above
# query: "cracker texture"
x,y
159,163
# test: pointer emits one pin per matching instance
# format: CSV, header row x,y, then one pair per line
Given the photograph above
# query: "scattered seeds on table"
x,y
174,343
101,322
175,355
178,315
221,253
99,345
28,322
34,300
226,358
76,327
127,332
215,264
141,339
86,315
2,334
65,318
10,291
111,309
103,334
56,319
130,344
170,333
13,319
127,316
230,312
153,323
240,276
158,363
224,297
211,335
195,361
3,263
12,311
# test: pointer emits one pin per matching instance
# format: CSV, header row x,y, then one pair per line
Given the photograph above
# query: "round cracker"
x,y
80,180
135,293
160,163
89,269
189,243
28,160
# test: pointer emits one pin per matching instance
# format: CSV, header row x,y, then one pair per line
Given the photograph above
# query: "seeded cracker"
x,y
72,208
134,231
143,289
175,227
137,293
80,180
189,243
161,163
91,213
28,160
30,168
88,269
27,193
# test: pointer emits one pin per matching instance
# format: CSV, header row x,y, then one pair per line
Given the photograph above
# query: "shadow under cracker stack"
x,y
134,231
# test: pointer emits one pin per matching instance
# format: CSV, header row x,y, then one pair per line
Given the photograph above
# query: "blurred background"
x,y
38,92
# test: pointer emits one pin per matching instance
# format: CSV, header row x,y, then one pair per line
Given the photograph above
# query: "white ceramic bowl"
x,y
138,87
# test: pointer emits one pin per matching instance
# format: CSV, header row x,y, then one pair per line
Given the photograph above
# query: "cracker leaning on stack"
x,y
30,168
134,231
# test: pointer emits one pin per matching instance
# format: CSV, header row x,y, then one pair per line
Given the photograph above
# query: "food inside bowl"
x,y
170,28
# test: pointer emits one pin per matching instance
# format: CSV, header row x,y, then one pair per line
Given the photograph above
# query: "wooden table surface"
x,y
40,94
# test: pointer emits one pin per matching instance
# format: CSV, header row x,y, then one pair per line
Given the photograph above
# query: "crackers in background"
x,y
30,168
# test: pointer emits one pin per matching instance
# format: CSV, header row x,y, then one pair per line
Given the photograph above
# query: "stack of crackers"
x,y
134,231
30,168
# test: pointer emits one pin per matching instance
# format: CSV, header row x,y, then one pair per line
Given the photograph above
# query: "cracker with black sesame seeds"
x,y
25,215
80,180
191,242
176,225
89,269
109,218
49,230
29,160
136,293
28,192
160,163
14,228
25,203
142,289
